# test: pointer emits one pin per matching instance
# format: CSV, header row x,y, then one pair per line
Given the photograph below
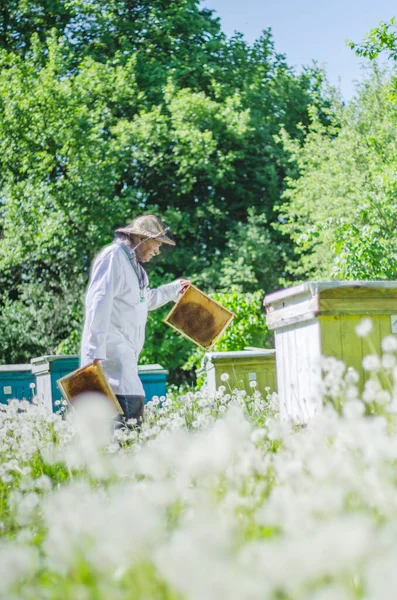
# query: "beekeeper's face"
x,y
148,249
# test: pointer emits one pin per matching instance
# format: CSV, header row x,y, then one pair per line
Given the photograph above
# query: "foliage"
x,y
27,324
380,39
341,210
113,108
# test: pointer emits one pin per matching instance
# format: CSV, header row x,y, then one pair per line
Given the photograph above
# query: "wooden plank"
x,y
363,292
303,350
371,343
279,316
282,373
332,289
352,346
313,357
358,306
385,325
293,390
331,343
384,331
298,370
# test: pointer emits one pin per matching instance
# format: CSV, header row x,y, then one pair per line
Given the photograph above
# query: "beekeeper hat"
x,y
148,226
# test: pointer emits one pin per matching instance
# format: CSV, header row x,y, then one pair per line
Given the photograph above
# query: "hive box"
x,y
15,382
47,370
320,318
242,368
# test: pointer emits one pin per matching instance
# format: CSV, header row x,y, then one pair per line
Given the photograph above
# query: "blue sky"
x,y
309,29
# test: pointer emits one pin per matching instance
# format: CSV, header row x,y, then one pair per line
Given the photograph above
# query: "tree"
x,y
341,210
380,39
71,174
117,107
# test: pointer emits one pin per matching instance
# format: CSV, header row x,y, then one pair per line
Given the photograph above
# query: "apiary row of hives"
x,y
309,321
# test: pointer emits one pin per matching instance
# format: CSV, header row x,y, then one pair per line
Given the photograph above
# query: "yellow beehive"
x,y
317,319
242,368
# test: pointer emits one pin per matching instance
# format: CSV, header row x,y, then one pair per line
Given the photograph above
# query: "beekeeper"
x,y
116,307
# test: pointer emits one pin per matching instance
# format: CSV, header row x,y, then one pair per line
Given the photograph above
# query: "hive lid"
x,y
20,367
236,355
314,288
241,354
313,299
53,358
155,369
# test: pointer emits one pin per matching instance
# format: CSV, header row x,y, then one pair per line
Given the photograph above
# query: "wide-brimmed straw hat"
x,y
148,226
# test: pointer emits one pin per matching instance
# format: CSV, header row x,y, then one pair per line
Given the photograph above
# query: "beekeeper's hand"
x,y
184,285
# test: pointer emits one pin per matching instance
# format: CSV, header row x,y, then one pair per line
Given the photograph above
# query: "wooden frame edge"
x,y
206,348
101,377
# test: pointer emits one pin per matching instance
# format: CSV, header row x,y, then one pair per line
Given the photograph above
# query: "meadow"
x,y
212,498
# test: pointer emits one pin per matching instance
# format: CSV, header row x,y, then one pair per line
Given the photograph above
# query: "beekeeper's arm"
x,y
166,293
106,281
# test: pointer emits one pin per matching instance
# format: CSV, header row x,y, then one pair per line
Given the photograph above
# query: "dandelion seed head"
x,y
389,343
371,363
388,361
364,327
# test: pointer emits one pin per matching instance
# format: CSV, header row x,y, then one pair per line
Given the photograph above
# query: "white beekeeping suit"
x,y
117,304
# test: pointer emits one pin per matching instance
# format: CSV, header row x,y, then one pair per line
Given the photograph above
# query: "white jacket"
x,y
116,314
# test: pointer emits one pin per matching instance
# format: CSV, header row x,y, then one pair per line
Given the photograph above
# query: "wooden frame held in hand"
x,y
89,378
199,318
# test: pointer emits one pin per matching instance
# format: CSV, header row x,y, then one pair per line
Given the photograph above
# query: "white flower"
x,y
224,376
351,392
388,361
364,327
258,435
383,397
352,376
230,469
371,362
253,383
371,390
354,409
16,562
389,343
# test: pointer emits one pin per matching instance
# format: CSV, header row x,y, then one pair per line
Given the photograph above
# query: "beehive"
x,y
319,318
242,368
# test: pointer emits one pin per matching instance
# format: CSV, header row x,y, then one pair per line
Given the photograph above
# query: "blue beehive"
x,y
15,381
154,379
48,369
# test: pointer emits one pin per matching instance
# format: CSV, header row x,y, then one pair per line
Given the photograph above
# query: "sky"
x,y
307,30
